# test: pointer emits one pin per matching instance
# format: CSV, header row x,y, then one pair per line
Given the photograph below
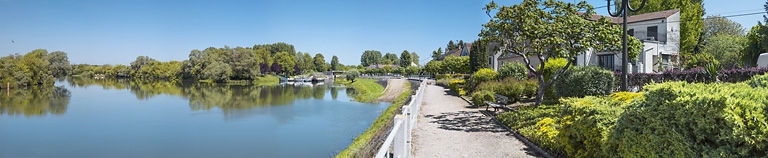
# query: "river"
x,y
120,118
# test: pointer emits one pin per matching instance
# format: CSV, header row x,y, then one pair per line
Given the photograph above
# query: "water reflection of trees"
x,y
35,101
204,96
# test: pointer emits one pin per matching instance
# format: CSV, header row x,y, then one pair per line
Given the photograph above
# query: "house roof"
x,y
638,18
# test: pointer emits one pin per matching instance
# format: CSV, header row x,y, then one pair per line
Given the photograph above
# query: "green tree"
x,y
319,61
59,64
415,58
719,25
286,61
544,29
335,63
405,59
451,46
726,48
217,72
478,57
370,57
390,59
434,66
437,54
691,22
757,42
456,64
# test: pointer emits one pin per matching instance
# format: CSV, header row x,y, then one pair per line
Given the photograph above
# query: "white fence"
x,y
398,142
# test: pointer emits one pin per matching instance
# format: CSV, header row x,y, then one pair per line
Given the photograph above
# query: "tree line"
x,y
213,64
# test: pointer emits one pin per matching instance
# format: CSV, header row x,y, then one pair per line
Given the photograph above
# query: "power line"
x,y
727,16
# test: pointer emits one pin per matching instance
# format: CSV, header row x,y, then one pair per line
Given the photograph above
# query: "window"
x,y
631,32
653,32
606,61
665,58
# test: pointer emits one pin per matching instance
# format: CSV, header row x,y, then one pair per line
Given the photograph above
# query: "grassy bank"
x,y
363,146
367,89
266,80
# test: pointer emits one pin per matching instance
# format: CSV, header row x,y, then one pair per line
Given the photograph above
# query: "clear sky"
x,y
117,31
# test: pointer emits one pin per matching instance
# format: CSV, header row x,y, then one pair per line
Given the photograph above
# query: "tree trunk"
x,y
540,93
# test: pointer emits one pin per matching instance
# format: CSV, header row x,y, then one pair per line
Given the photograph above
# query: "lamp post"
x,y
623,10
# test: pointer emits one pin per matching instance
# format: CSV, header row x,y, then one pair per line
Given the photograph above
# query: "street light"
x,y
623,10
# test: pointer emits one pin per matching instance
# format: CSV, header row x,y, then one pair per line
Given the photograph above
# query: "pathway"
x,y
447,127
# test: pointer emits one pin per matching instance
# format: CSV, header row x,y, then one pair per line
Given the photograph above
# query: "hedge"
x,y
672,119
695,75
583,81
694,120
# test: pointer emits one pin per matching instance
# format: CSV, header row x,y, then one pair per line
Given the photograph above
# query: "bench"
x,y
501,102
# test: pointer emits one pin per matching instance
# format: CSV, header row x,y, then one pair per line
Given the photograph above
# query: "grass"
x,y
367,89
363,146
266,80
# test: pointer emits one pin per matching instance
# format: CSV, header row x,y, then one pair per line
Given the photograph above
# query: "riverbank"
x,y
367,89
364,145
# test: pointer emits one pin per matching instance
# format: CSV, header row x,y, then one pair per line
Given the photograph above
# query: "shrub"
x,y
513,69
530,87
550,68
482,75
695,75
530,120
456,84
443,82
693,120
586,124
480,97
760,81
510,88
584,81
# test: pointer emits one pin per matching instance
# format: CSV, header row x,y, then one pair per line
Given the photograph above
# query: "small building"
x,y
658,31
660,34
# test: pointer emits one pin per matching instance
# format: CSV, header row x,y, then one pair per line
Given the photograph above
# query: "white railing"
x,y
399,139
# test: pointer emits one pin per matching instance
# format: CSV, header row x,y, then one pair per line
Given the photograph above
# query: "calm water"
x,y
107,118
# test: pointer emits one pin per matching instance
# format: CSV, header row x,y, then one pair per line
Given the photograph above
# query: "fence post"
x,y
400,140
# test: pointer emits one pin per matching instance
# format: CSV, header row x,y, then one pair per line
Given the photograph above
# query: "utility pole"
x,y
624,11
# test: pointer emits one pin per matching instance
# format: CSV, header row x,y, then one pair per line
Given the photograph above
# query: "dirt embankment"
x,y
393,89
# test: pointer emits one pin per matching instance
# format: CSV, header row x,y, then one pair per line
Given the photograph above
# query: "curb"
x,y
524,139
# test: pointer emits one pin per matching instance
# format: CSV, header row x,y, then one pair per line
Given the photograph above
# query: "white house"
x,y
660,34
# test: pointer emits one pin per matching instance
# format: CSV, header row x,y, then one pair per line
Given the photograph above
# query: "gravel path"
x,y
447,127
393,89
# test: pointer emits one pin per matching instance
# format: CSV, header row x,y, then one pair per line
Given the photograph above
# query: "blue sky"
x,y
117,31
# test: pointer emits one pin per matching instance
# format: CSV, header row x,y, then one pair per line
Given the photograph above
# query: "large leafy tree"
x,y
456,64
434,66
719,25
370,57
320,63
59,64
286,61
691,22
405,59
335,63
390,58
757,41
549,29
415,58
726,49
